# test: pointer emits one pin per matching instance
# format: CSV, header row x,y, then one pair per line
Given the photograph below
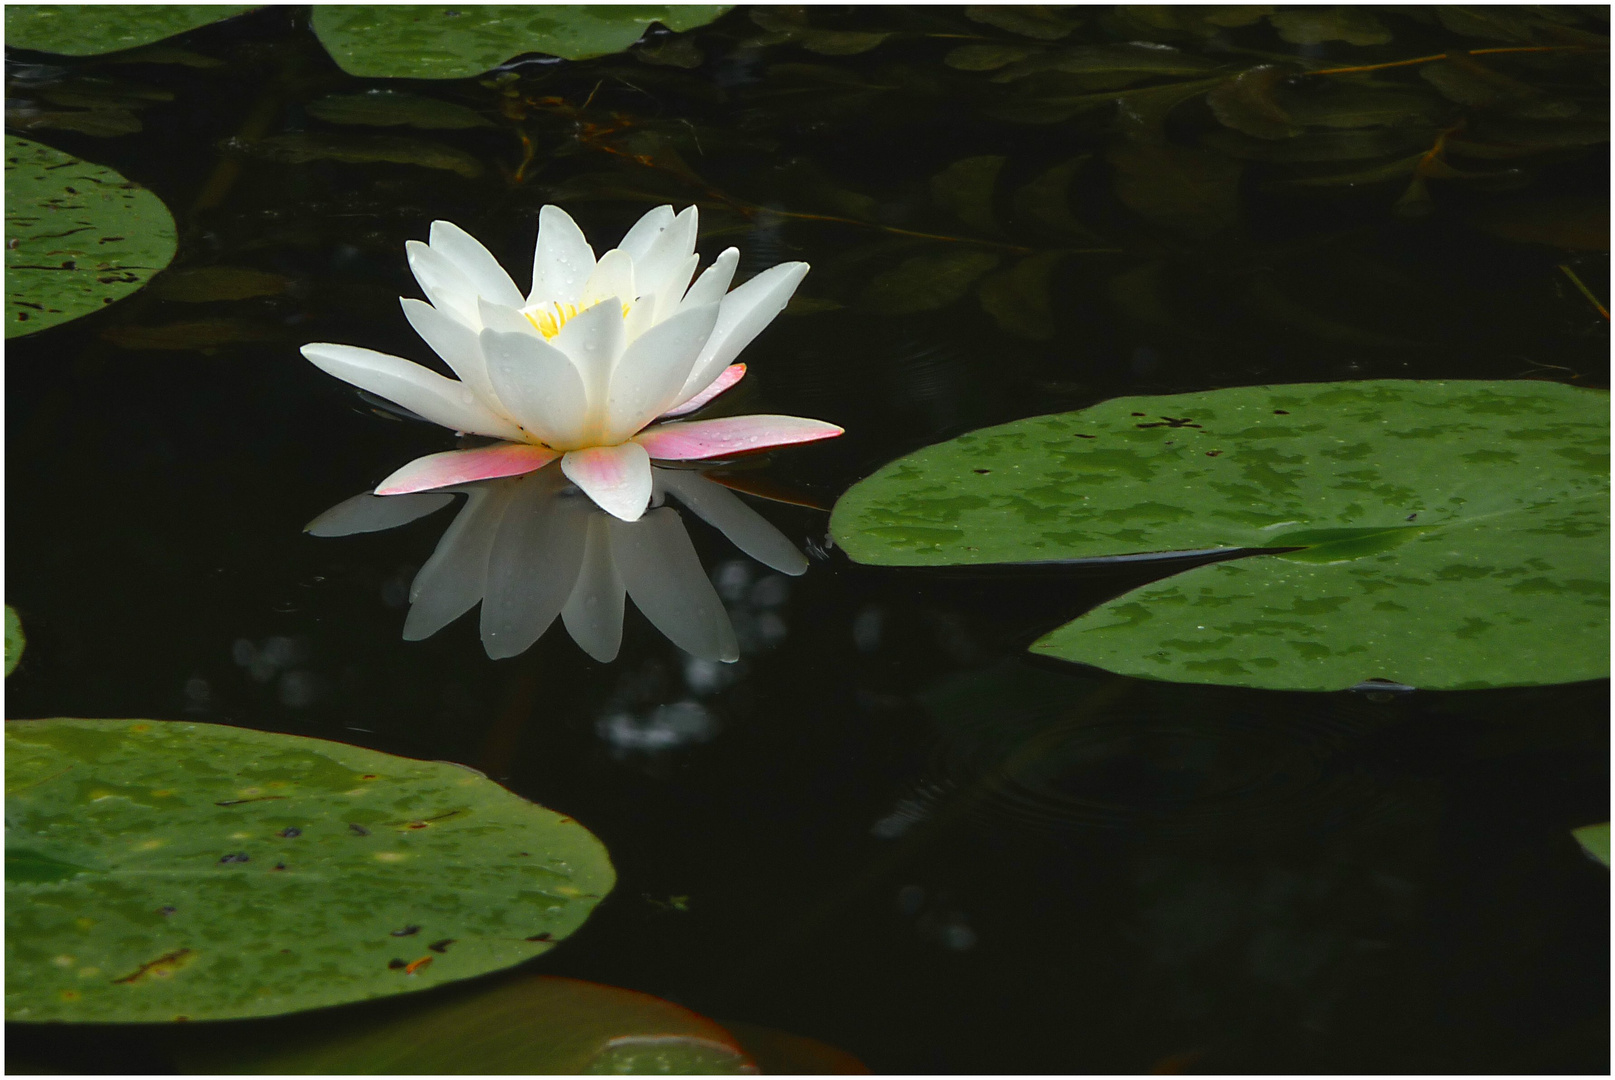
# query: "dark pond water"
x,y
895,831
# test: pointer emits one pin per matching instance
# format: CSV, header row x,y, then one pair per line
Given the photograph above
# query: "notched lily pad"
x,y
78,237
1453,535
160,871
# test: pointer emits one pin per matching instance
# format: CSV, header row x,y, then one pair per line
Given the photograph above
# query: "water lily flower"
x,y
530,548
584,365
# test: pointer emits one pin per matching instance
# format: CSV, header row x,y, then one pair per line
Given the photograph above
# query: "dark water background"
x,y
896,832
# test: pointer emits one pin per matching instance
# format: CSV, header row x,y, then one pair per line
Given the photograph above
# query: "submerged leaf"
x,y
928,282
1183,189
1045,199
1038,21
1469,82
202,284
1018,298
1574,224
393,108
984,57
201,335
299,148
1316,25
966,188
78,237
15,642
1450,534
1246,103
195,871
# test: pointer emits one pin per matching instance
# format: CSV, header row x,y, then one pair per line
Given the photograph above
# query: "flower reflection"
x,y
532,547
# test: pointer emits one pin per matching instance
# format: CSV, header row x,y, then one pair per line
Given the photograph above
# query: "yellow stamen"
x,y
548,319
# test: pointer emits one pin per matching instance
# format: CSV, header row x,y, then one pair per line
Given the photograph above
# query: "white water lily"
x,y
530,548
583,365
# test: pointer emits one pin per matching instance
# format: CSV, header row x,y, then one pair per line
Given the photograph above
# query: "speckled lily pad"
x,y
91,29
78,237
1450,534
160,871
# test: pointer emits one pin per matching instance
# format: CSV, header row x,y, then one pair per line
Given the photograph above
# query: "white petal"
x,y
594,340
667,257
714,281
506,320
426,393
457,344
452,580
659,566
667,300
728,513
374,513
537,552
476,262
638,241
617,478
613,276
745,313
449,290
562,259
647,380
593,613
538,385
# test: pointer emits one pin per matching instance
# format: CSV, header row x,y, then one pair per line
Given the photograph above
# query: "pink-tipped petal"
x,y
730,435
617,478
463,466
730,375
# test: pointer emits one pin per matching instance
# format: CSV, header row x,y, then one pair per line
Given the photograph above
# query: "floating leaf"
x,y
394,108
966,188
88,29
1029,20
1247,103
1451,534
1018,298
178,870
928,282
78,236
434,42
1594,839
15,642
1316,25
1181,188
300,148
540,1024
202,284
984,57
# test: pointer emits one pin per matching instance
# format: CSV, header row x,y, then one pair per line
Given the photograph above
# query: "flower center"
x,y
548,319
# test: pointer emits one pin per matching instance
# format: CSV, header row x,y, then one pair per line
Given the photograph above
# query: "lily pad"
x,y
90,29
160,871
15,642
542,1024
1448,534
78,237
434,42
1594,839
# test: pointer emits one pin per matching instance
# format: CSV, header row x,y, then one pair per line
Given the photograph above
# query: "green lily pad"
x,y
90,29
159,871
1594,839
1450,534
541,1024
78,237
15,642
432,42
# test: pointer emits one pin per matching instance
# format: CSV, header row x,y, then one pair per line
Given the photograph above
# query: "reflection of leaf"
x,y
1183,189
78,237
206,283
1018,298
928,282
1594,839
88,29
235,873
301,147
984,57
431,42
966,188
1246,103
1449,534
15,642
1044,199
1029,20
393,108
540,1024
1316,25
202,335
1575,224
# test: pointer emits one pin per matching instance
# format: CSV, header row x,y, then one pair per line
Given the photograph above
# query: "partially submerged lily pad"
x,y
160,871
433,42
1449,534
91,29
1594,839
78,237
